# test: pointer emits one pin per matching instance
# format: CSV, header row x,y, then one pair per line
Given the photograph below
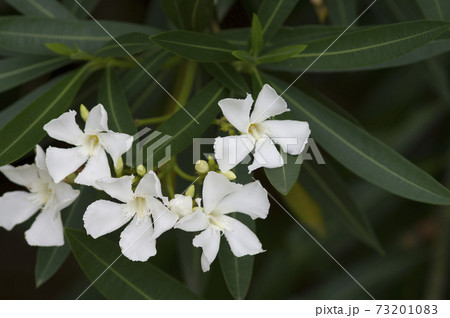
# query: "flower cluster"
x,y
137,201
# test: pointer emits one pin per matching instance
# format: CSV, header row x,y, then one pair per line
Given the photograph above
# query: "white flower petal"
x,y
209,241
230,151
22,175
65,128
40,158
237,111
116,144
268,104
215,187
181,205
103,217
266,155
163,218
96,168
137,242
242,240
117,188
46,230
252,200
16,207
291,135
97,120
64,195
194,222
150,185
62,162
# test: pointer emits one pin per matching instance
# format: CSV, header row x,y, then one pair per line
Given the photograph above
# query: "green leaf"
x,y
182,128
8,113
189,15
18,70
244,56
195,46
133,43
362,153
123,279
136,79
42,8
77,8
284,178
272,14
256,36
365,47
22,133
341,12
30,34
281,54
237,271
111,95
60,49
227,76
435,9
50,259
332,194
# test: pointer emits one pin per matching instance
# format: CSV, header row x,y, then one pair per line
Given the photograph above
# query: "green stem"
x,y
152,120
184,84
183,174
257,80
169,185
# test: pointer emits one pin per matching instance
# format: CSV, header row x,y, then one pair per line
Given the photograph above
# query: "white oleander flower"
x,y
43,194
137,241
91,147
258,133
221,197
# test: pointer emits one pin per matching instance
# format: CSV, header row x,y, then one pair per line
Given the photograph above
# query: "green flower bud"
x,y
202,167
84,112
141,171
190,192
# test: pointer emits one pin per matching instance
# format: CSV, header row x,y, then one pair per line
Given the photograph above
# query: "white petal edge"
x,y
237,111
62,162
103,217
97,168
117,188
150,185
64,195
242,240
266,155
268,104
215,187
291,135
209,241
97,120
16,207
163,218
194,222
116,144
230,151
65,128
22,175
46,230
137,242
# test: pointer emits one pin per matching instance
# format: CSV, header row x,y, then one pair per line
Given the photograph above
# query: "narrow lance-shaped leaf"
x,y
360,152
331,192
256,36
272,14
178,131
238,271
195,46
341,12
189,15
132,43
284,178
23,133
50,259
281,54
18,70
30,34
113,99
76,7
226,75
365,47
120,278
42,8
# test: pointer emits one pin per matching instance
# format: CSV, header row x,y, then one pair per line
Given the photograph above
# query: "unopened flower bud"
x,y
141,171
202,167
118,168
230,175
211,161
190,192
84,112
